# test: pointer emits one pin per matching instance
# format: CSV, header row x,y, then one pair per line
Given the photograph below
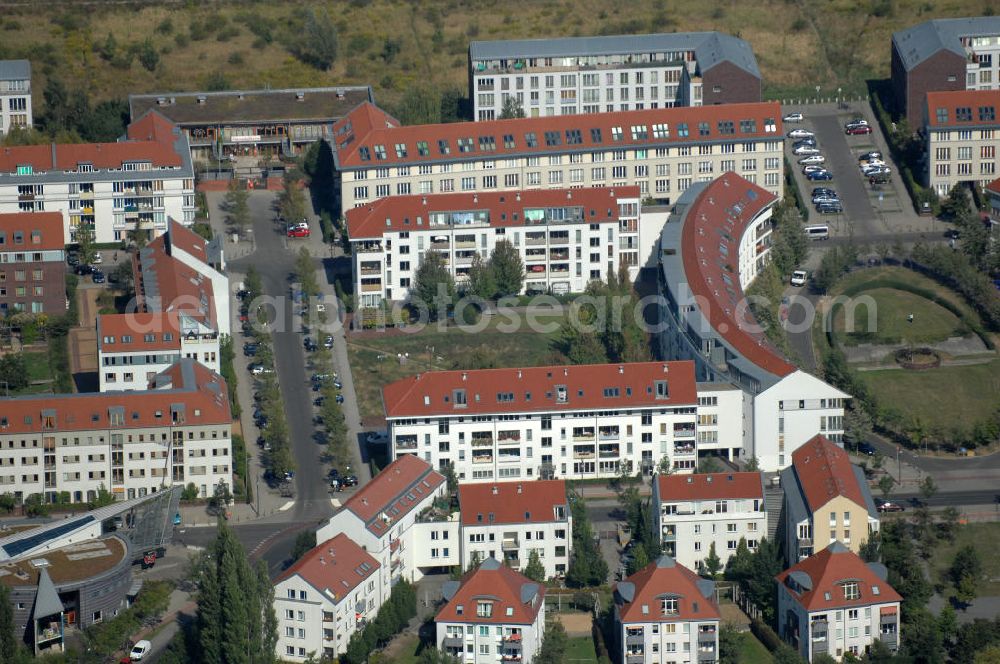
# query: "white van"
x,y
818,232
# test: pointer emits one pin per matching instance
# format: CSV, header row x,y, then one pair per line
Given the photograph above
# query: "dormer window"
x,y
669,606
459,609
851,590
484,609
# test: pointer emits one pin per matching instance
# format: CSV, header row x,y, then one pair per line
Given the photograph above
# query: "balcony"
x,y
439,244
25,197
635,658
609,451
368,247
534,240
559,240
669,533
805,542
634,638
510,544
482,440
509,455
508,437
581,433
608,433
453,642
583,452
371,288
375,269
513,638
685,430
684,449
482,458
406,442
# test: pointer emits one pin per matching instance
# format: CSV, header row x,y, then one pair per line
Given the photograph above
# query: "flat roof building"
x,y
15,95
606,73
944,54
255,122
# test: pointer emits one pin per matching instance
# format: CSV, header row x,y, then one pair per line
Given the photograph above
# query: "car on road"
x,y
819,175
793,117
866,448
888,506
876,170
328,342
799,278
857,130
813,159
338,384
812,168
811,142
98,259
800,133
298,231
140,650
825,197
805,149
257,369
830,207
339,398
97,276
250,349
823,190
83,269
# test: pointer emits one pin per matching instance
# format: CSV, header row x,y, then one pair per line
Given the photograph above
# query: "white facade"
x,y
836,632
513,543
561,249
15,95
688,527
687,640
722,419
215,273
792,411
316,622
436,542
470,643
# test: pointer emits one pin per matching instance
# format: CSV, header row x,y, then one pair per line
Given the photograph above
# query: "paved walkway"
x,y
954,346
82,339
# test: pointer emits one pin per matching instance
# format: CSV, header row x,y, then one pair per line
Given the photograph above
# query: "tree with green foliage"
x,y
304,543
235,619
581,347
785,654
507,267
420,104
640,559
730,644
149,57
481,281
435,656
318,41
708,465
927,488
236,205
12,648
922,642
511,108
554,644
433,285
587,566
965,573
712,564
14,371
7,502
535,570
886,485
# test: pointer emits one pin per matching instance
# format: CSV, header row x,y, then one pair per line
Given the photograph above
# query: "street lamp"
x,y
817,94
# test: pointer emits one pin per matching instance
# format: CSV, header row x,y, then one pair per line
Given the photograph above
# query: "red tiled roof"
x,y
391,490
335,567
506,208
185,239
660,578
511,502
48,224
205,393
136,326
718,218
503,586
179,288
534,389
994,187
368,126
974,100
709,486
827,569
824,471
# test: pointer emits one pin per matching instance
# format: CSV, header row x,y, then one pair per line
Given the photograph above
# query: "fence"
x,y
841,101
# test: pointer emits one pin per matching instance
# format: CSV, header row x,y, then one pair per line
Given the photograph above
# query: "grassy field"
x,y
375,362
931,322
939,396
752,651
985,537
393,45
580,650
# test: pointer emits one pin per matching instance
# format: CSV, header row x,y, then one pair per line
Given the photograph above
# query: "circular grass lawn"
x,y
931,322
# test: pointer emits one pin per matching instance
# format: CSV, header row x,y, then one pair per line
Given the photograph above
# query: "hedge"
x,y
792,189
765,635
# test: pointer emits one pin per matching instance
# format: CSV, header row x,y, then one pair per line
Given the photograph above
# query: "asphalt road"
x,y
275,263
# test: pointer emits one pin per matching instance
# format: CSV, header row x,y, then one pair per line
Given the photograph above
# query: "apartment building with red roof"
x,y
32,264
691,513
992,191
834,603
324,598
509,521
662,151
827,499
492,614
664,609
566,238
177,432
713,246
550,422
108,189
961,134
381,516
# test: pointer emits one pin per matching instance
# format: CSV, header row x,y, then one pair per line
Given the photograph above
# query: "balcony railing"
x,y
609,433
370,288
510,544
406,444
634,639
482,459
684,449
583,434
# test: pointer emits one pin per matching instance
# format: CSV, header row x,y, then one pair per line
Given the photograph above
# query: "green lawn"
x,y
374,357
753,651
38,366
580,650
985,537
931,322
941,396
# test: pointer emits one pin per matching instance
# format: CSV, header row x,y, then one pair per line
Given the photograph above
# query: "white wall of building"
x,y
133,370
437,543
484,648
513,543
15,104
680,639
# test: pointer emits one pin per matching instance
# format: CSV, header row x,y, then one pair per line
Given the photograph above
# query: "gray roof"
x,y
921,41
15,70
795,502
449,588
46,598
880,570
528,592
866,491
625,590
710,48
706,587
490,564
665,561
801,578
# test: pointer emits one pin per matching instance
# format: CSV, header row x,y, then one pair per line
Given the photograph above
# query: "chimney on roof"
x,y
565,371
496,490
340,93
518,196
322,561
666,368
690,479
464,375
708,479
475,198
519,488
201,99
364,501
518,373
240,96
621,368
173,100
569,194
161,101
424,200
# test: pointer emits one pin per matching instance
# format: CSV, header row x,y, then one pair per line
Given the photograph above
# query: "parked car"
x,y
140,650
298,231
83,269
250,348
257,369
793,117
799,278
811,142
805,149
858,130
97,276
866,448
350,480
819,175
328,341
800,133
876,170
309,344
73,259
338,384
98,259
870,156
829,208
823,190
813,159
339,398
812,168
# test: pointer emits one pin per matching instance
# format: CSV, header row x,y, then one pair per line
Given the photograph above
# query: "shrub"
x,y
236,58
